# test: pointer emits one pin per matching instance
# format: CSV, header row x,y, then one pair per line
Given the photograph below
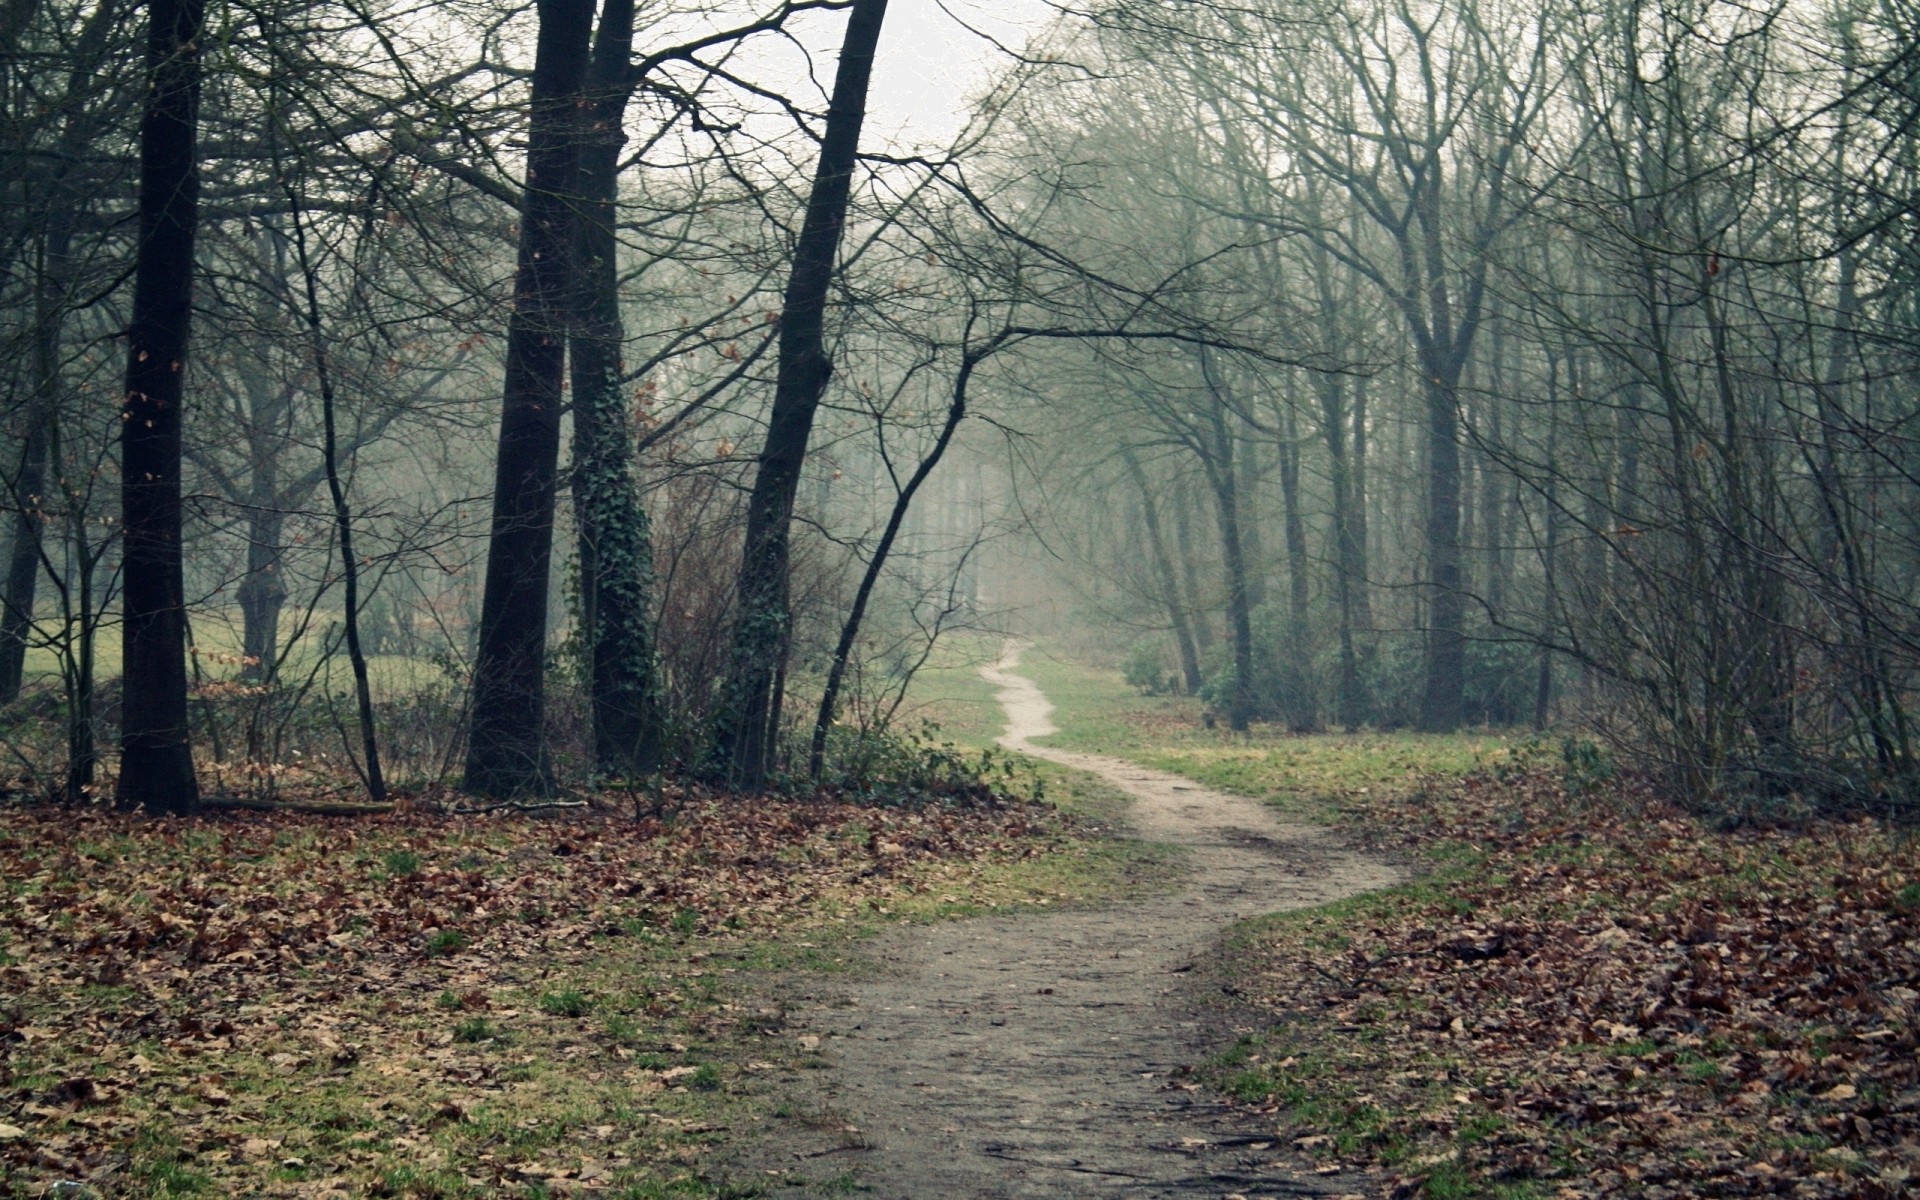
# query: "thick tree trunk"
x,y
1360,568
744,742
1550,554
615,537
1190,570
156,750
23,556
506,748
1350,703
1252,544
1163,572
263,593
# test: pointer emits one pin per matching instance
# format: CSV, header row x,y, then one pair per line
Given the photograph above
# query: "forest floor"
x,y
1562,987
432,1005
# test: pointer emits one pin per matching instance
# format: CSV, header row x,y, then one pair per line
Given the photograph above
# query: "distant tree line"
x,y
1604,338
1378,362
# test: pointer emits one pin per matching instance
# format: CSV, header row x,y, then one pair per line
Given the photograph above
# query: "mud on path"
x,y
1038,1055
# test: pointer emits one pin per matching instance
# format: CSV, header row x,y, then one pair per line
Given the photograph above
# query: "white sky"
x,y
929,65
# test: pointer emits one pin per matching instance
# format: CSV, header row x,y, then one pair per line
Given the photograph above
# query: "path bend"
x,y
1038,1055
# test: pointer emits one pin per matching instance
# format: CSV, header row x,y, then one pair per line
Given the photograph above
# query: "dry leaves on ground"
x,y
1609,998
249,1002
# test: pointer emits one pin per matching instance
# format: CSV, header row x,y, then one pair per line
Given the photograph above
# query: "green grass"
x,y
949,692
216,638
1313,775
446,941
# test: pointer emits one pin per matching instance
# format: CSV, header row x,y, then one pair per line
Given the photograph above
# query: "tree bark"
x,y
744,742
1349,568
615,536
1550,553
156,749
1446,654
263,593
1359,572
506,748
1190,572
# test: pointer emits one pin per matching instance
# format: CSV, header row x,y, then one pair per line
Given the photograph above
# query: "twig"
x,y
517,806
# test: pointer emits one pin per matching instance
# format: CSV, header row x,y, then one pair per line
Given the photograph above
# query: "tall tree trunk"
x,y
28,492
1360,571
1190,570
1303,710
1163,572
1446,654
506,746
1498,486
1350,702
1226,496
263,593
614,534
1550,553
1248,463
744,742
156,748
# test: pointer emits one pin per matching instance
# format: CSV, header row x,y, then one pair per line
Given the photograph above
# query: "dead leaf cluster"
x,y
1609,998
157,976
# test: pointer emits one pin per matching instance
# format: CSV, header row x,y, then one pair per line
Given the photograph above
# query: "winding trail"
x,y
1037,1055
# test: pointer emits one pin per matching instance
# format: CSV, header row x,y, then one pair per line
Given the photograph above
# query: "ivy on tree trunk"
x,y
615,537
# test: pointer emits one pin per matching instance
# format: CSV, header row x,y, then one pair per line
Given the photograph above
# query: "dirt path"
x,y
1036,1055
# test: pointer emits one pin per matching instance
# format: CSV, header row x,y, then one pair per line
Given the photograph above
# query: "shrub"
x,y
1146,668
883,766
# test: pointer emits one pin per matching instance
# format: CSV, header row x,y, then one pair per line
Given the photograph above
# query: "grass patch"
x,y
445,941
475,1030
1313,776
948,696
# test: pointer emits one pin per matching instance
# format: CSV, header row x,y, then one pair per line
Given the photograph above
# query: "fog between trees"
x,y
1350,364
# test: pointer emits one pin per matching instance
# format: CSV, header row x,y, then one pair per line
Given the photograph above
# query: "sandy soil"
x,y
1041,1054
